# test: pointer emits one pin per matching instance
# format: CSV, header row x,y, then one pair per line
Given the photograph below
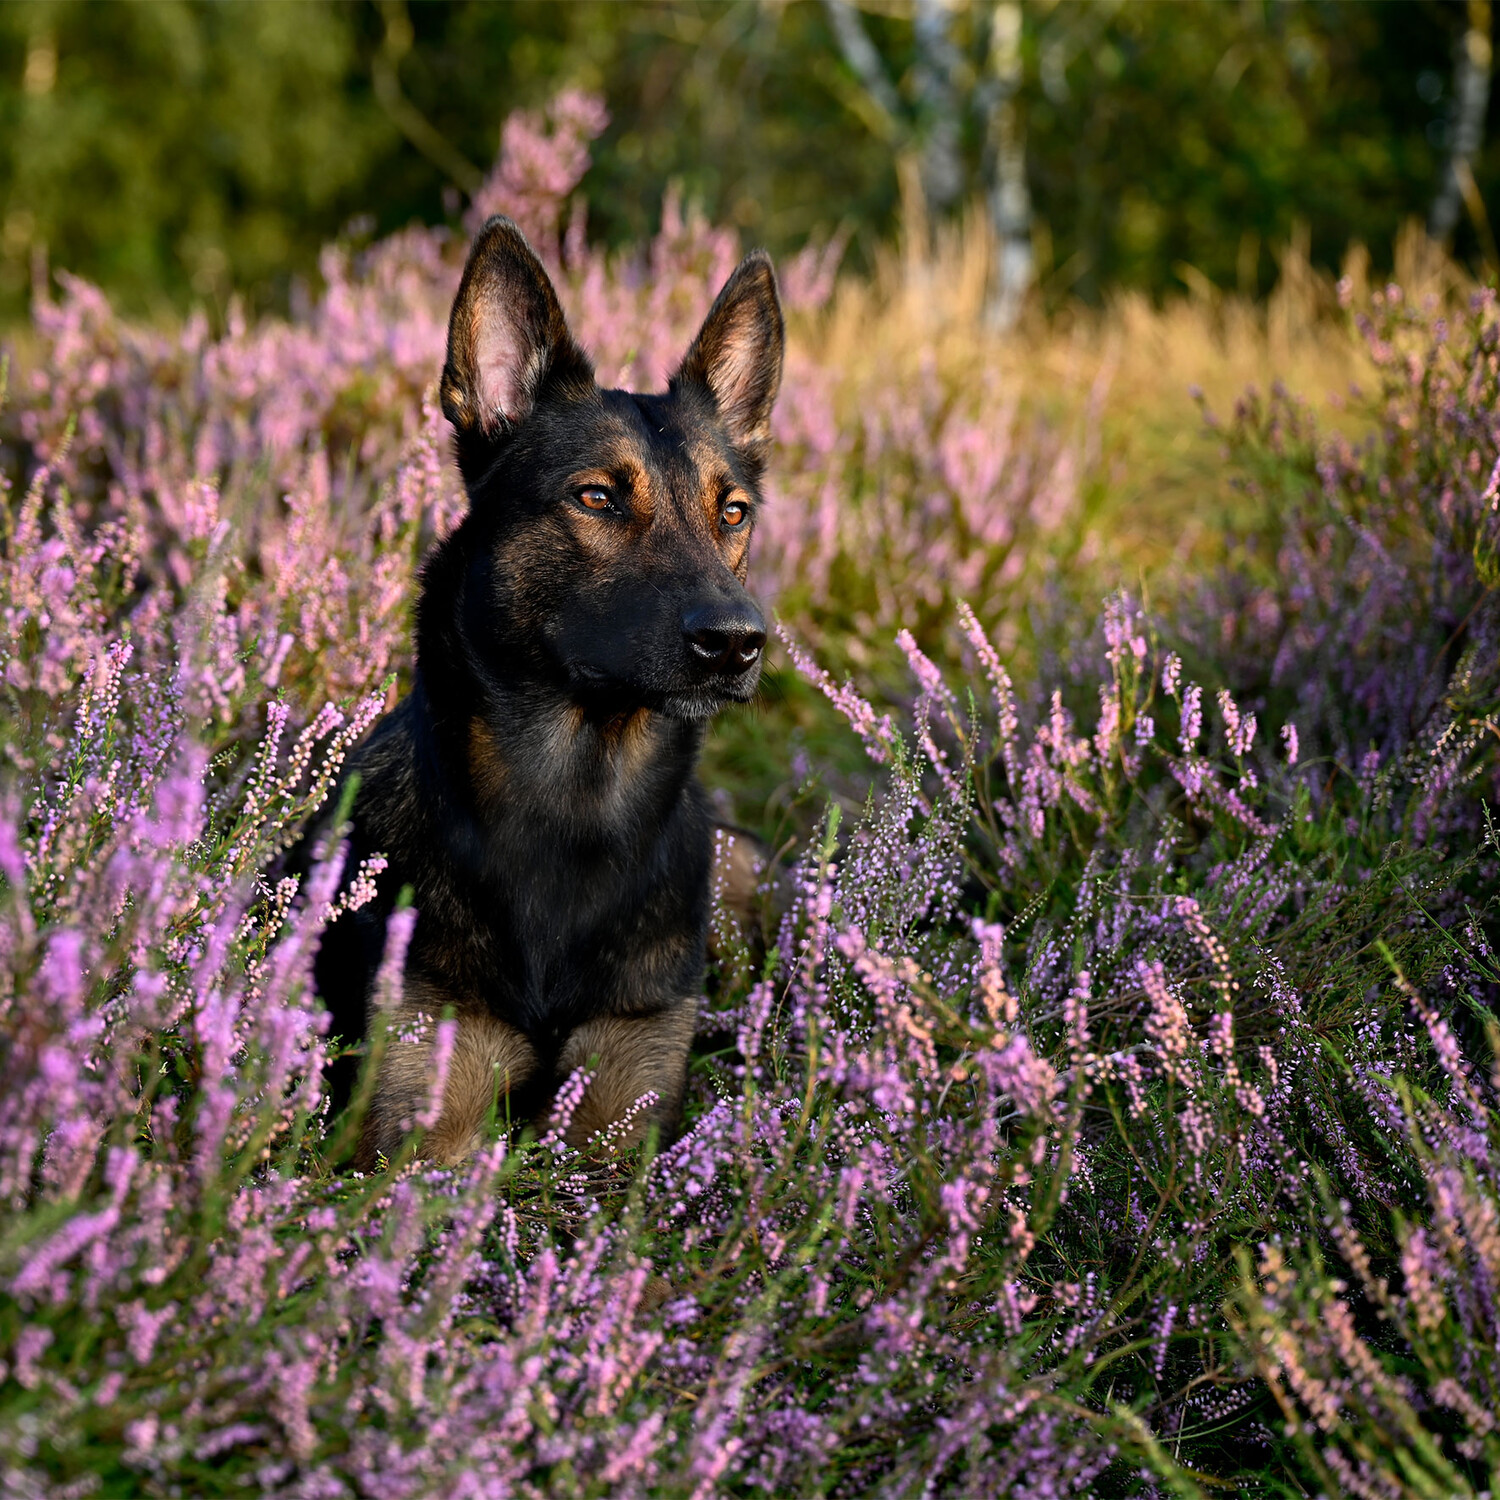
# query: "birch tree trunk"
x,y
1471,96
1009,194
936,78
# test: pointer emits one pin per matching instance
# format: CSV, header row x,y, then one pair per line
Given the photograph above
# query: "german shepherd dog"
x,y
536,789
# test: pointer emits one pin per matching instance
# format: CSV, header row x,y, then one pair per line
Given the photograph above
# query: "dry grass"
x,y
1122,377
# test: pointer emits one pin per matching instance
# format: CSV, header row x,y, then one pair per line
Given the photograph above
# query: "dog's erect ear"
x,y
737,354
506,338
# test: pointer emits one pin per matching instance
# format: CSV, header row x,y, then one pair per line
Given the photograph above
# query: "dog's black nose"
x,y
724,639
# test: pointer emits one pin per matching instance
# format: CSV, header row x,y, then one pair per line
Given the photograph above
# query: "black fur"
x,y
536,788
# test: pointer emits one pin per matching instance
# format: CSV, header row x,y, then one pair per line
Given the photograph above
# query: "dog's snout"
x,y
724,639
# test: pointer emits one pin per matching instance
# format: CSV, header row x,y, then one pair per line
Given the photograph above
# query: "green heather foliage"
x,y
1112,1111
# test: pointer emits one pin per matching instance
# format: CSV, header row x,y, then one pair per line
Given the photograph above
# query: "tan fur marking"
x,y
456,403
604,478
635,1055
486,765
716,493
630,739
489,1058
560,728
737,554
655,1292
716,489
637,479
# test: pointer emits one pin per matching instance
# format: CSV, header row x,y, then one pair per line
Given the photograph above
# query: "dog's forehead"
x,y
673,438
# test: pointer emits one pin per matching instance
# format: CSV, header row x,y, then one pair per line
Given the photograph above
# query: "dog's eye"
x,y
593,497
734,512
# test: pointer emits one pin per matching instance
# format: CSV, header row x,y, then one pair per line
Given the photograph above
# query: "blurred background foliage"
x,y
174,149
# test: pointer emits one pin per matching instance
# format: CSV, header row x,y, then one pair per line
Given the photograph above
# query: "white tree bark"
x,y
945,90
1009,193
1471,97
936,78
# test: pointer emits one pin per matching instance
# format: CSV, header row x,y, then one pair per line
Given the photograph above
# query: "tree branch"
x,y
406,117
859,52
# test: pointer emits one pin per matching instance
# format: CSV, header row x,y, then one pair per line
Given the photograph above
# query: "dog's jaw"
x,y
595,693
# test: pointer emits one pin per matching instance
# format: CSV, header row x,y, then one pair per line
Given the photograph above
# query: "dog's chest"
x,y
568,884
550,936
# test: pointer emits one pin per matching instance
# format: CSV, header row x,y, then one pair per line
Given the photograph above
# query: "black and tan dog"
x,y
536,789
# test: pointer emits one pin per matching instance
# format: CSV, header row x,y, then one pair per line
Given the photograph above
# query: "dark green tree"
x,y
174,149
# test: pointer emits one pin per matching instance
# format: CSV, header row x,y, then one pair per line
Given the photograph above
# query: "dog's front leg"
x,y
489,1058
630,1056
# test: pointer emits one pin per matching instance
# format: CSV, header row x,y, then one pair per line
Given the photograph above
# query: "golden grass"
x,y
1120,376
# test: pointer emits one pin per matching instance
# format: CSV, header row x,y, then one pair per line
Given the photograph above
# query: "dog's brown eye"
x,y
734,513
594,498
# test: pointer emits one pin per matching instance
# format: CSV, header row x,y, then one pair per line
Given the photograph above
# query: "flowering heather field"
x,y
1114,1111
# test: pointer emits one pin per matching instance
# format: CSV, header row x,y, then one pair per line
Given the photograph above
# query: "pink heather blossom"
x,y
878,734
1015,1070
1239,729
442,1057
1192,718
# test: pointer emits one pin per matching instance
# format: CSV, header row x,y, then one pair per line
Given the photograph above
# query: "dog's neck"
x,y
526,753
538,749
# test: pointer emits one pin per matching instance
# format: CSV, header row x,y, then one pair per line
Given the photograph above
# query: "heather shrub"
x,y
1107,1115
1387,1382
1379,600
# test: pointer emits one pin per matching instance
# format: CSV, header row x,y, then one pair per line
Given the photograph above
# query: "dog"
x,y
536,791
